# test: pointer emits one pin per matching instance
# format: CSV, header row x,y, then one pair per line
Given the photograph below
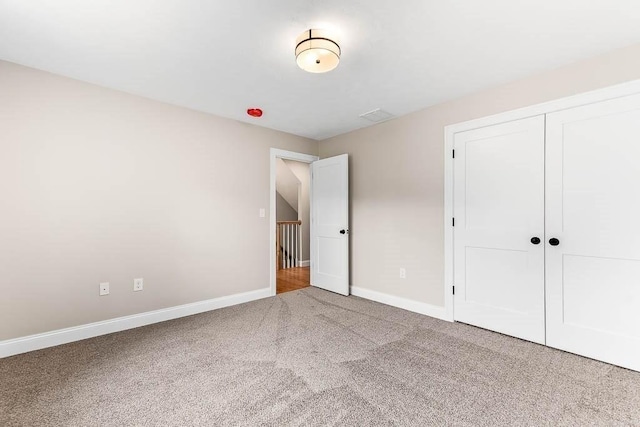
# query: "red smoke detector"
x,y
254,112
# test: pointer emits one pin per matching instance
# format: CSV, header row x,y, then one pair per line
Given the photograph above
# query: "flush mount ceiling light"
x,y
316,52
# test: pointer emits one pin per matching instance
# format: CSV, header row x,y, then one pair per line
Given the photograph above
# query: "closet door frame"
x,y
586,98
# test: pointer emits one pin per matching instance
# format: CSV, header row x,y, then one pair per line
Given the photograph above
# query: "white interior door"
x,y
499,214
330,224
593,209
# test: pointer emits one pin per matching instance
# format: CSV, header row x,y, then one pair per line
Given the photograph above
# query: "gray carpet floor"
x,y
310,358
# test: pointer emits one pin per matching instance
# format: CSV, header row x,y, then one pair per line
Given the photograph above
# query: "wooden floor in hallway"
x,y
292,279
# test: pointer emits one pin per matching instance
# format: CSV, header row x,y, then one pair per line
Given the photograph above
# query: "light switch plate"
x,y
104,289
262,213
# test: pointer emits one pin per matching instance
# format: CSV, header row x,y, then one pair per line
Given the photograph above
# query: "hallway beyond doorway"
x,y
292,279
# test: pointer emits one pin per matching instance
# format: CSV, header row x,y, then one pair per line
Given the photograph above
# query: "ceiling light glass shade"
x,y
317,53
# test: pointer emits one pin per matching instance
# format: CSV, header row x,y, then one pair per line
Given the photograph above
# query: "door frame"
x,y
598,95
274,154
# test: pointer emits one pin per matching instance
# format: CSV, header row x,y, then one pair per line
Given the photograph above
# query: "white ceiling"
x,y
222,57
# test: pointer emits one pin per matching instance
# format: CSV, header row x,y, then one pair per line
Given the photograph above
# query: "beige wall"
x,y
396,174
97,185
284,211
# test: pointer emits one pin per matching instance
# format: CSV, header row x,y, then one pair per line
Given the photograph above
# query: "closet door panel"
x,y
498,209
593,209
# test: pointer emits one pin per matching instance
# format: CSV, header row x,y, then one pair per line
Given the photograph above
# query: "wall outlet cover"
x,y
138,284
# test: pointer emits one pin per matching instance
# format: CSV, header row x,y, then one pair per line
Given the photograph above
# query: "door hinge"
x,y
454,290
454,153
453,222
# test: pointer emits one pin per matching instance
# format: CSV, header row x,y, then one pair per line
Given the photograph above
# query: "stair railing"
x,y
288,244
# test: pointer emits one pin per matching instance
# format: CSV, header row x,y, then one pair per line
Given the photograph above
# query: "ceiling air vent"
x,y
377,116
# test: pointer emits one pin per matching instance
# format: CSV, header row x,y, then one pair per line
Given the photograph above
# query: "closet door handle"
x,y
554,242
535,240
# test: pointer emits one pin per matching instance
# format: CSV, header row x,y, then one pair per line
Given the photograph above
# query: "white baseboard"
x,y
62,336
404,303
306,263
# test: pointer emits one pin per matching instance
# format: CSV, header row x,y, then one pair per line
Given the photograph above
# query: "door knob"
x,y
554,242
344,231
535,240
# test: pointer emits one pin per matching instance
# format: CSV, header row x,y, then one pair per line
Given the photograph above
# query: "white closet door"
x,y
593,209
499,209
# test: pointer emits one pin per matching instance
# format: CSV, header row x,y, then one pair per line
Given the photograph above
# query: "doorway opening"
x,y
292,225
329,222
290,220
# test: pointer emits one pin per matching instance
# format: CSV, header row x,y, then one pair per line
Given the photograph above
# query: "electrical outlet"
x,y
104,289
403,273
138,284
